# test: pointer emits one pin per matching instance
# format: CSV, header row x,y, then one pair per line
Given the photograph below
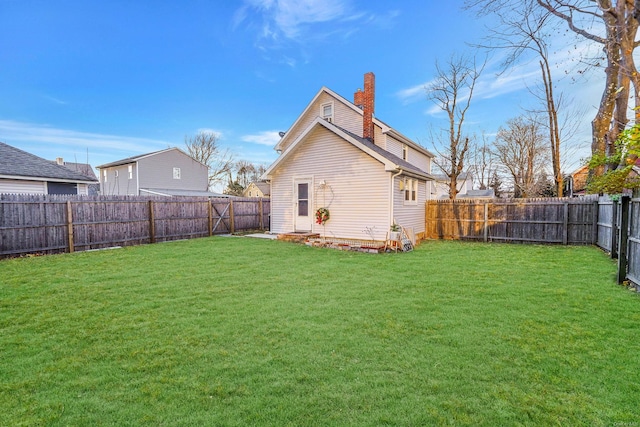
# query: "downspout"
x,y
392,198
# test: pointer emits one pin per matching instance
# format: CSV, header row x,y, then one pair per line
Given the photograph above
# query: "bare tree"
x,y
613,24
521,150
244,170
452,91
483,163
204,148
523,28
257,172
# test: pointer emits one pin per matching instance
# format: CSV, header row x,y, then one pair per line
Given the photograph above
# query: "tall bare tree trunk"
x,y
554,127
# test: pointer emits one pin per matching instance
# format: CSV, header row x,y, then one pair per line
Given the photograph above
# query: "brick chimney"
x,y
365,100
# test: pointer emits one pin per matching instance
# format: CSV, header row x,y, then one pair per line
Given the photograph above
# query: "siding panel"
x,y
344,116
410,215
14,186
356,192
157,172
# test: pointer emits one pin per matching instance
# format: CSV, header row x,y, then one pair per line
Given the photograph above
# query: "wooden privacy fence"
x,y
613,225
569,221
619,234
51,224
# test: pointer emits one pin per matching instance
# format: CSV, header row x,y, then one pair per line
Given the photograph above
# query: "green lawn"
x,y
239,331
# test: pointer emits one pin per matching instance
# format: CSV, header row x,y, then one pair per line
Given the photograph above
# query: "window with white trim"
x,y
104,175
326,111
130,171
410,191
176,173
405,152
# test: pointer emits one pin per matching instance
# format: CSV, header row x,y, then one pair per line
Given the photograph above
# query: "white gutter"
x,y
392,198
44,178
156,193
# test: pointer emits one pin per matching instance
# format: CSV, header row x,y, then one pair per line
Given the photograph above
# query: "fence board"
x,y
606,223
38,224
633,249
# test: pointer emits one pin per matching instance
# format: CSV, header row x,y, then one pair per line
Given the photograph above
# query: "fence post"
x,y
231,218
486,222
623,239
152,223
70,226
614,231
596,212
261,218
210,214
565,224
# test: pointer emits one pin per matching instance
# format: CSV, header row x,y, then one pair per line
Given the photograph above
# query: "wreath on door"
x,y
322,216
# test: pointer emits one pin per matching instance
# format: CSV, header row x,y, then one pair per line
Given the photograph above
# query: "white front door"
x,y
302,217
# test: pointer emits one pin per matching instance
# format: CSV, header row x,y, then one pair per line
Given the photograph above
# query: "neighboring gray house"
x,y
169,172
26,173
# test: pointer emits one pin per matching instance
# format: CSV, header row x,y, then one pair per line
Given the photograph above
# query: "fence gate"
x,y
221,215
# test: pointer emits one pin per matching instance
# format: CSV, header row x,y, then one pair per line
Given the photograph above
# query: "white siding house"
x,y
440,187
367,184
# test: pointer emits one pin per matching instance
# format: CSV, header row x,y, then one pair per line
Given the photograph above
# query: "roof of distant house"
x,y
187,193
83,168
134,159
478,194
445,178
263,186
17,163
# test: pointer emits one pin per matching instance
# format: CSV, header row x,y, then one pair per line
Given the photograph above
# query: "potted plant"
x,y
394,232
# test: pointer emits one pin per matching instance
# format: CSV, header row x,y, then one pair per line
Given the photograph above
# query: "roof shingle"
x,y
15,162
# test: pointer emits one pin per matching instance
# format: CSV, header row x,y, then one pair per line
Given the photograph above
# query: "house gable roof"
x,y
15,163
82,168
386,129
391,162
263,186
134,159
445,179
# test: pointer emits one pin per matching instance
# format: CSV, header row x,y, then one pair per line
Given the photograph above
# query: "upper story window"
x,y
104,175
405,152
326,111
130,171
176,173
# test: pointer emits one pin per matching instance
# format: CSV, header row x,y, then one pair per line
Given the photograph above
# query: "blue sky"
x,y
112,79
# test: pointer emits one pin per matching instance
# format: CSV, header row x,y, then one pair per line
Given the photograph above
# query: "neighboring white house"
x,y
169,172
26,173
440,189
338,156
